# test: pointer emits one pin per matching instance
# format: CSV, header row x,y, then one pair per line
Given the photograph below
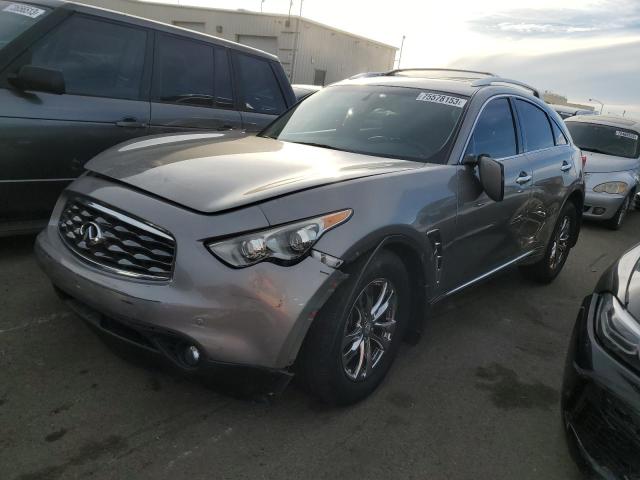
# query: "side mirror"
x,y
491,177
39,79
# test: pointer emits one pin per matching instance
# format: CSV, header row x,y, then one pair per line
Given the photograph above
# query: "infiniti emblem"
x,y
91,233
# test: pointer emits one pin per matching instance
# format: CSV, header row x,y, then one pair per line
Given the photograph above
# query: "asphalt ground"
x,y
477,398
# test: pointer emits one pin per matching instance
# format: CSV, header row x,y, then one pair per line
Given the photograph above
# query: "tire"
x,y
557,251
615,222
333,362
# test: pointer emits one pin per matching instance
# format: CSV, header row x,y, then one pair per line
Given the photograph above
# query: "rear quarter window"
x,y
535,126
259,88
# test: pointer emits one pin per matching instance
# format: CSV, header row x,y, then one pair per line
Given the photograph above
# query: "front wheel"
x,y
548,268
615,223
355,338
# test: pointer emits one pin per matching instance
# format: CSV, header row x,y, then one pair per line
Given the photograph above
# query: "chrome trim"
x,y
131,221
485,82
524,179
484,275
117,271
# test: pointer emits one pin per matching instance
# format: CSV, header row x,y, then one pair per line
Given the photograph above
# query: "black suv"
x,y
75,80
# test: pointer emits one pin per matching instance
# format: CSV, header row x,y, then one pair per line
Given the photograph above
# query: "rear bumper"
x,y
256,316
600,405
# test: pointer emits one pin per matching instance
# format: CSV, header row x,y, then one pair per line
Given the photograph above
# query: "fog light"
x,y
598,210
191,355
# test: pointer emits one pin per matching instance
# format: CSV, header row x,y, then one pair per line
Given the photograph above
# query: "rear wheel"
x,y
615,223
548,268
353,342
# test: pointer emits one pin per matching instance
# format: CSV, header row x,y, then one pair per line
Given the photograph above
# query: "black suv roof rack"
x,y
483,82
452,70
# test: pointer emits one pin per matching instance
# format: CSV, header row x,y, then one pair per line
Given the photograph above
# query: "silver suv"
x,y
317,246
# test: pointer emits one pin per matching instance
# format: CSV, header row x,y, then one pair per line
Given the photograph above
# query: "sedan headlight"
x,y
284,245
618,331
611,187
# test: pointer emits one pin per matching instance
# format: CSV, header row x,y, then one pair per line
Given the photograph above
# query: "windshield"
x,y
16,17
604,139
384,121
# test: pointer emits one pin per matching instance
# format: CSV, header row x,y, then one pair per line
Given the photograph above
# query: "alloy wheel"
x,y
560,243
369,329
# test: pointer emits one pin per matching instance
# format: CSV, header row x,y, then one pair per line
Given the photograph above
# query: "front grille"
x,y
115,241
610,433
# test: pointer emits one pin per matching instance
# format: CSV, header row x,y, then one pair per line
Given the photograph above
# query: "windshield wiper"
x,y
320,145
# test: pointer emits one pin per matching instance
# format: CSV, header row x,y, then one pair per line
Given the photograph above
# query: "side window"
x,y
535,126
495,133
183,72
223,88
259,87
97,58
558,135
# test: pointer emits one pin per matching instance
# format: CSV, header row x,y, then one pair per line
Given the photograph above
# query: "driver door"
x,y
490,234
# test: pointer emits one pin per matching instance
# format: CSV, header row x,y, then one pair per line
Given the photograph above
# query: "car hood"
x,y
212,172
601,163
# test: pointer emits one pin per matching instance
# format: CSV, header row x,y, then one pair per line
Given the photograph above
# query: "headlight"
x,y
283,245
611,187
618,331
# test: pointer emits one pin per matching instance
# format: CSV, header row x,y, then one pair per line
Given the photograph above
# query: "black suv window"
x,y
258,86
97,58
183,72
535,125
495,133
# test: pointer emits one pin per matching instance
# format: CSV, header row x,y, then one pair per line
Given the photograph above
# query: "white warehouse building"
x,y
310,52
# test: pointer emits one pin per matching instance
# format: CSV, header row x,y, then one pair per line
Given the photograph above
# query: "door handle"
x,y
565,166
523,178
130,122
224,128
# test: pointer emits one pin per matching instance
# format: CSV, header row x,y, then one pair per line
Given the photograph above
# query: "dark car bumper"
x,y
600,404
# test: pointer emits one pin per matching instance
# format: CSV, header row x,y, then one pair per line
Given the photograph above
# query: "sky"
x,y
578,48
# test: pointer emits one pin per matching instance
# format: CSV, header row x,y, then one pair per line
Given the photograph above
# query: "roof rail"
x,y
453,70
483,82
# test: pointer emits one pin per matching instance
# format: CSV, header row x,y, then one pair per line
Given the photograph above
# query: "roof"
x,y
261,14
610,120
185,32
459,82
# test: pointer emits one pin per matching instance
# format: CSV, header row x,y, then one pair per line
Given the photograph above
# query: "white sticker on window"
x,y
26,10
632,136
444,99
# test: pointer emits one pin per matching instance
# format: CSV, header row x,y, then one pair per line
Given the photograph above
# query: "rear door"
x,y
489,233
549,152
261,98
47,138
191,87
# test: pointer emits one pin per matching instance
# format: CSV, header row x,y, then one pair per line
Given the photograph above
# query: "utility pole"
x,y
261,3
598,101
401,47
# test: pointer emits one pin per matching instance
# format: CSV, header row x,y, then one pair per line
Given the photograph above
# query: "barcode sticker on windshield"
x,y
632,136
26,10
444,99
